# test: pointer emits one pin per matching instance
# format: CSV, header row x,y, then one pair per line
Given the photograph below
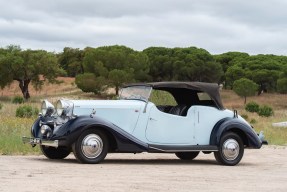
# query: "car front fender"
x,y
250,137
68,133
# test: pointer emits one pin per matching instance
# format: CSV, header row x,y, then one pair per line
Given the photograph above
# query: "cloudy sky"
x,y
218,26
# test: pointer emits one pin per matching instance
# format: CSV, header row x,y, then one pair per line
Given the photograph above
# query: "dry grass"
x,y
274,135
52,92
66,87
231,100
12,129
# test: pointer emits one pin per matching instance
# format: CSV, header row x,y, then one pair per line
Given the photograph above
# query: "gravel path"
x,y
260,170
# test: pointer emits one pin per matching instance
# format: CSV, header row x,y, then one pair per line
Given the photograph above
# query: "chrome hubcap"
x,y
230,149
92,146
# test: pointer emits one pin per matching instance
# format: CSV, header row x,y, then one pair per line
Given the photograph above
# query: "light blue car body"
x,y
194,121
150,125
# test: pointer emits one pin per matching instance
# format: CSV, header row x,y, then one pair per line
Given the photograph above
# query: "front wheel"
x,y
91,147
187,155
55,153
231,149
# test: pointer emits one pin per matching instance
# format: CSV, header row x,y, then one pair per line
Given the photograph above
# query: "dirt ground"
x,y
259,170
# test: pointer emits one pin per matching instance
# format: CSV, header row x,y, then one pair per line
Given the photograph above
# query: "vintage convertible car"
x,y
190,118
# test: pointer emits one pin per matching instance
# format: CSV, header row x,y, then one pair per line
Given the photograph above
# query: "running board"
x,y
183,148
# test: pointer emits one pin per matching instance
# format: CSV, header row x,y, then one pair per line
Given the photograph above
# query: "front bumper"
x,y
261,137
38,141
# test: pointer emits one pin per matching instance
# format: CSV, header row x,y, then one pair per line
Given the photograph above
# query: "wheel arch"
x,y
245,131
241,134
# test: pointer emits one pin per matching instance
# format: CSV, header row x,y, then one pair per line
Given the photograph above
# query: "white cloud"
x,y
217,26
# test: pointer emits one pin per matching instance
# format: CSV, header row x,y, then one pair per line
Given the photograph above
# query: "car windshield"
x,y
135,92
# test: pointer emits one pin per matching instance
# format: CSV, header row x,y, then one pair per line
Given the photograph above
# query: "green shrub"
x,y
253,121
26,111
265,111
159,97
18,100
252,107
1,105
244,116
88,83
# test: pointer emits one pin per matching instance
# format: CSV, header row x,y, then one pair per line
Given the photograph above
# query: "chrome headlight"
x,y
46,130
47,108
64,107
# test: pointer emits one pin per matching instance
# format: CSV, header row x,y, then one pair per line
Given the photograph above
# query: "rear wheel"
x,y
91,147
187,155
231,149
54,153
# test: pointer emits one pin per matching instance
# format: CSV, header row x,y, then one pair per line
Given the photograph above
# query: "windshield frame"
x,y
139,96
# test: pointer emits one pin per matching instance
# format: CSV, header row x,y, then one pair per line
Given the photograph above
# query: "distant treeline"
x,y
120,64
96,69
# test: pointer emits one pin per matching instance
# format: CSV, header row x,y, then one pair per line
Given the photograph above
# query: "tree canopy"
x,y
183,64
96,69
245,88
264,70
71,61
28,66
116,65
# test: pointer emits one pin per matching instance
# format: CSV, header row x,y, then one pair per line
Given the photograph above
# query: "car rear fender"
x,y
245,131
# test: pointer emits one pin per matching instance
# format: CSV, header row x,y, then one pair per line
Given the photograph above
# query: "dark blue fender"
x,y
249,136
35,130
68,133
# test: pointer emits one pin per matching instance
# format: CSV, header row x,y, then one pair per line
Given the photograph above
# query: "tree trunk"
x,y
262,89
244,100
24,86
117,90
82,69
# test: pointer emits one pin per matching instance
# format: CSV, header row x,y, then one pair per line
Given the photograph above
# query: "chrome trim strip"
x,y
38,141
156,149
186,150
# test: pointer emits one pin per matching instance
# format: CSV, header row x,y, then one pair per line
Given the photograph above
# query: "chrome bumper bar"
x,y
261,137
38,141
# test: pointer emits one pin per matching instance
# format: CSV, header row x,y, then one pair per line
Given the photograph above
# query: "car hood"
x,y
122,113
85,107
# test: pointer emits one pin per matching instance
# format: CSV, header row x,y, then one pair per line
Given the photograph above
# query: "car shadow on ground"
x,y
159,162
125,161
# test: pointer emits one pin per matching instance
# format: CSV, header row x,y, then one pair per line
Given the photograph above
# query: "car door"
x,y
165,128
